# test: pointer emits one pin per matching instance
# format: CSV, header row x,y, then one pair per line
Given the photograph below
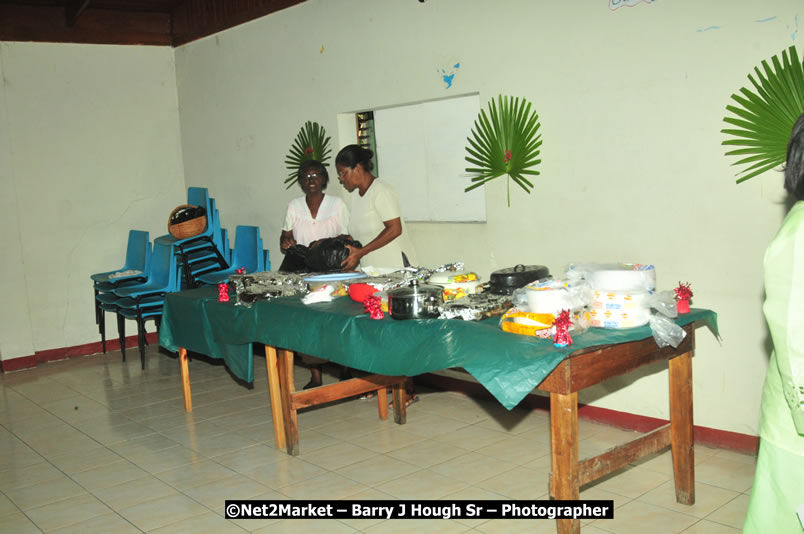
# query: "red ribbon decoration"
x,y
308,150
562,336
683,291
508,156
373,305
223,292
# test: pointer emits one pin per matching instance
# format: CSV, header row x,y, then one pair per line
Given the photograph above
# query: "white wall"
x,y
89,148
631,103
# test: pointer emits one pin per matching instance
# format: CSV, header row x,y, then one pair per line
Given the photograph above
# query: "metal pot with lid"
x,y
505,281
415,301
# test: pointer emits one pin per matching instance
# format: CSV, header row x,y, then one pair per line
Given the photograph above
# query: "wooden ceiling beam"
x,y
74,9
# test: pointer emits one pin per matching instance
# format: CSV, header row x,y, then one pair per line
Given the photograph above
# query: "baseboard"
x,y
18,364
50,355
712,437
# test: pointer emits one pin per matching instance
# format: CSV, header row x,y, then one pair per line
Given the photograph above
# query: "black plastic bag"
x,y
328,254
294,260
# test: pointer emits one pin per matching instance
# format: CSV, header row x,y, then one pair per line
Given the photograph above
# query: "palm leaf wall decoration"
x,y
506,141
311,142
763,118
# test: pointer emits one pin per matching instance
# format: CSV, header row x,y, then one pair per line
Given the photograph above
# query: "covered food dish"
x,y
456,284
505,281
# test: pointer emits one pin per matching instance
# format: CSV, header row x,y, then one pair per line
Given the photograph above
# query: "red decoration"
x,y
223,292
562,323
358,292
508,156
683,296
308,150
373,306
241,270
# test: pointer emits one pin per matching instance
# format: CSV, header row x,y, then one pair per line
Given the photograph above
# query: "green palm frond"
x,y
311,142
764,117
506,141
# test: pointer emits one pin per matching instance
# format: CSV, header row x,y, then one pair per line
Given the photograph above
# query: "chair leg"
x,y
102,328
121,331
97,307
141,337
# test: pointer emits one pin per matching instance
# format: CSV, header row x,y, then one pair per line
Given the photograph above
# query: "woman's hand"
x,y
286,240
351,261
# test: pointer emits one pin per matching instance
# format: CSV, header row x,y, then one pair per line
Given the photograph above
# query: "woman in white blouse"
x,y
315,215
310,218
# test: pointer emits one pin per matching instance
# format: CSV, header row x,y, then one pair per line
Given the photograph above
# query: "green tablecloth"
x,y
509,365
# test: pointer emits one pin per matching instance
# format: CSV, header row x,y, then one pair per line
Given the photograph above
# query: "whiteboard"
x,y
421,150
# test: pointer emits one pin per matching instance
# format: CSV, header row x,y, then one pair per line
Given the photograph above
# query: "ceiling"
x,y
128,22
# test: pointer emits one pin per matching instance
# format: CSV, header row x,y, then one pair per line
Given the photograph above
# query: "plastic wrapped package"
x,y
614,276
519,321
254,287
552,296
663,302
665,331
475,307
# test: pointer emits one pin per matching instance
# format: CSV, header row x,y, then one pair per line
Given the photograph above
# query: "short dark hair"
x,y
794,168
351,155
313,165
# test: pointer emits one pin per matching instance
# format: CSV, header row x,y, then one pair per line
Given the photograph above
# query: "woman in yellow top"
x,y
376,220
778,489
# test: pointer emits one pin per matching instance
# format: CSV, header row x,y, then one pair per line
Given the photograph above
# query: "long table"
x,y
510,366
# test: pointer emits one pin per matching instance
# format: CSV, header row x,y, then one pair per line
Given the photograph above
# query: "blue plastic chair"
x,y
248,254
145,301
138,258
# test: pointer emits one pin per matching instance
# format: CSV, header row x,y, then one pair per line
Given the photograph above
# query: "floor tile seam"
x,y
63,472
21,390
61,500
193,486
515,468
112,512
681,511
708,516
199,403
374,485
75,428
18,509
137,449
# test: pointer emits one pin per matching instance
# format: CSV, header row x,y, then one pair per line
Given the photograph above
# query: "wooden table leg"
x,y
382,403
287,388
681,427
275,396
564,450
185,380
400,403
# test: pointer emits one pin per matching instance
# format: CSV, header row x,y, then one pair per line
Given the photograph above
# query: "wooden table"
x,y
579,370
592,366
574,372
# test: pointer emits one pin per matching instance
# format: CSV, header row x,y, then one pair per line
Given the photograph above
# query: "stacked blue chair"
x,y
248,254
146,301
206,249
134,271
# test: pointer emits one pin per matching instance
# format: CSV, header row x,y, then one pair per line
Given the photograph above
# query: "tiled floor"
x,y
96,445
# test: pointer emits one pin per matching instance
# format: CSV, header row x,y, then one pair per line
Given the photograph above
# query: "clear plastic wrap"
x,y
551,296
663,302
665,331
614,276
